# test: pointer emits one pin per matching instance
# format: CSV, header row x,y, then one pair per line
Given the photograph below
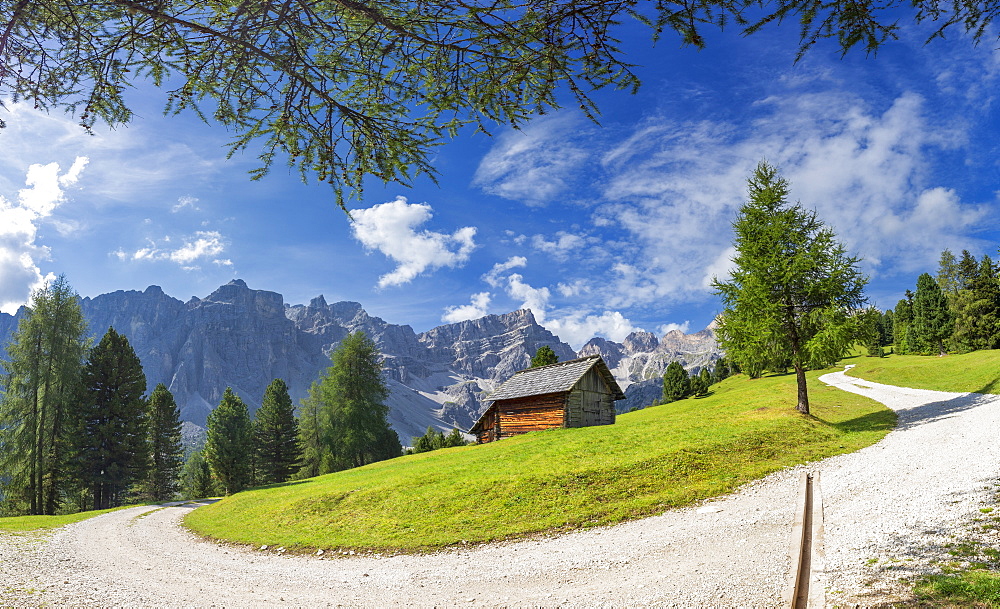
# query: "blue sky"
x,y
599,229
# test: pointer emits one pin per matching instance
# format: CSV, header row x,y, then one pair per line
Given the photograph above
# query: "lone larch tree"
x,y
792,287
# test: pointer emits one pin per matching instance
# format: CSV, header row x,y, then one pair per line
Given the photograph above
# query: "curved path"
x,y
895,502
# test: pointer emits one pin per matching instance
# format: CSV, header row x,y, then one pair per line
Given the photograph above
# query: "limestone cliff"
x,y
244,338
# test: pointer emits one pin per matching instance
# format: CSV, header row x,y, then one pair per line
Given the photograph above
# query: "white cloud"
x,y
536,299
577,328
204,246
19,220
477,307
391,229
183,202
493,277
573,289
676,187
562,246
534,164
667,328
125,165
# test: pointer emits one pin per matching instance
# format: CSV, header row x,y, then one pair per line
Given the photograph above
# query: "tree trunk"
x,y
791,324
803,395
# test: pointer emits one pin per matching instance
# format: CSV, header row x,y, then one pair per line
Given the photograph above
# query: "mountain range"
x,y
243,338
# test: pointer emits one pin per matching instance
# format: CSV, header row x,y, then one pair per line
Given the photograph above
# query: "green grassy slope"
x,y
650,460
17,524
977,372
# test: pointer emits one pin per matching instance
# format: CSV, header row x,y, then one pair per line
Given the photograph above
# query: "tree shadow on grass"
x,y
279,484
883,420
990,387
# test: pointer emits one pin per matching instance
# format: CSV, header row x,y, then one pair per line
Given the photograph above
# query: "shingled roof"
x,y
555,378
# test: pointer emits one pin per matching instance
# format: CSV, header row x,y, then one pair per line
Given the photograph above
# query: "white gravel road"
x,y
889,508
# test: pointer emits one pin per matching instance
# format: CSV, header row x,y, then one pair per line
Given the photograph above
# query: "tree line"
x,y
78,432
956,311
678,384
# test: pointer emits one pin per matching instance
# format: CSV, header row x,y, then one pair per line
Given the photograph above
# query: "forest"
x,y
79,432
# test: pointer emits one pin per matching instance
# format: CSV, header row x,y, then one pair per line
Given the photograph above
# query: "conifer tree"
x,y
721,371
977,310
314,453
696,387
968,268
706,381
901,320
276,435
676,384
432,439
352,416
886,328
792,289
544,356
112,448
454,438
197,477
947,278
40,383
868,331
165,450
229,443
932,321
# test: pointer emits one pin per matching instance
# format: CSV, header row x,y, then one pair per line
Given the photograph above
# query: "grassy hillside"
x,y
661,457
17,524
977,372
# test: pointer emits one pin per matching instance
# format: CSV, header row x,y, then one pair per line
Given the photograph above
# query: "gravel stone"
x,y
889,510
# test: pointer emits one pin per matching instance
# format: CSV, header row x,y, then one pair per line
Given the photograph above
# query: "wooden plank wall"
x,y
590,402
488,432
531,413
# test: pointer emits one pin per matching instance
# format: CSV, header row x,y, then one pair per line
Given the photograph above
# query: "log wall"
x,y
532,413
490,430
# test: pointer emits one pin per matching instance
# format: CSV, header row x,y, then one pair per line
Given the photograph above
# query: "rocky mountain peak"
x,y
638,342
243,338
611,352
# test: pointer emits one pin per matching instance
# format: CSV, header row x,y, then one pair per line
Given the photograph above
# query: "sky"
x,y
600,229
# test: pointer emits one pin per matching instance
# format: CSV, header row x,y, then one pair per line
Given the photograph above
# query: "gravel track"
x,y
896,502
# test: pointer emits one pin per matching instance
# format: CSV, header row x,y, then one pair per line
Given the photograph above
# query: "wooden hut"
x,y
575,393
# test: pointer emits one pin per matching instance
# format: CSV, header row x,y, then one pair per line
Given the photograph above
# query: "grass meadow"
x,y
651,460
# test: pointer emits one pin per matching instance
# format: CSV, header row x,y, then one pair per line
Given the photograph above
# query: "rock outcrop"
x,y
639,361
243,338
